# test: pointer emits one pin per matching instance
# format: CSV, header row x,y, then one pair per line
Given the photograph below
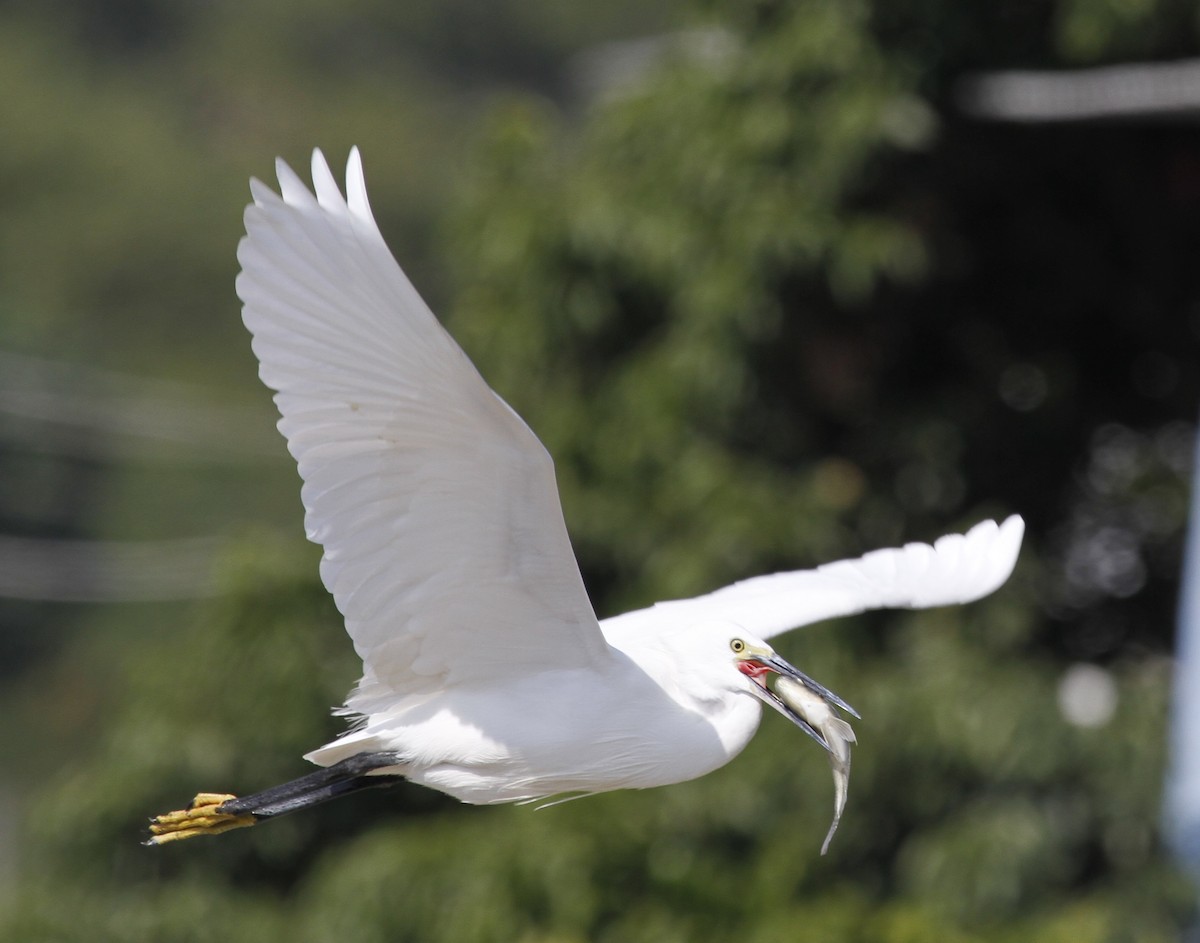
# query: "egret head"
x,y
755,661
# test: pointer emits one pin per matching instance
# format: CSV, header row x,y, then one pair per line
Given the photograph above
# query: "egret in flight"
x,y
486,674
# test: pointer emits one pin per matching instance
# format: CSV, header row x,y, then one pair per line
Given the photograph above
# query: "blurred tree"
x,y
766,307
129,131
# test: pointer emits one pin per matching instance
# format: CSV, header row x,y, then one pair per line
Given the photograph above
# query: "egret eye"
x,y
738,646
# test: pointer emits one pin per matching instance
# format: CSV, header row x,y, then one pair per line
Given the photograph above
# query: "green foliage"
x,y
1092,30
731,299
965,823
647,263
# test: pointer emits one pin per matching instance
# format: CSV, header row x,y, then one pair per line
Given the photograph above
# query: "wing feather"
x,y
958,568
436,506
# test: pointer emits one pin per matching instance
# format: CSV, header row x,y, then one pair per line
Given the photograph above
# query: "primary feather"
x,y
958,568
445,547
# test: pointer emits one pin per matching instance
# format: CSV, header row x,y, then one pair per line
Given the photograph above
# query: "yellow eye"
x,y
738,646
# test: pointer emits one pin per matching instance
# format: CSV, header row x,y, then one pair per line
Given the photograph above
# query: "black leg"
x,y
350,775
213,813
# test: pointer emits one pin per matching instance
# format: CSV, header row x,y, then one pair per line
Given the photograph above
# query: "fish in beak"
x,y
814,709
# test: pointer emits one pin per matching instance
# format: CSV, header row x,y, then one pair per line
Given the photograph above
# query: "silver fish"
x,y
838,734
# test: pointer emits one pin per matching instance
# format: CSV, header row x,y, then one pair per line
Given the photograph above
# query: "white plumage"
x,y
485,672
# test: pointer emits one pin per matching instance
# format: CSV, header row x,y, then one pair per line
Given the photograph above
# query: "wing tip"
x,y
1009,536
293,190
325,191
356,188
261,193
996,547
964,568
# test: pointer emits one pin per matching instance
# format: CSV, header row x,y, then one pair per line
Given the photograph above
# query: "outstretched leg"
x,y
212,813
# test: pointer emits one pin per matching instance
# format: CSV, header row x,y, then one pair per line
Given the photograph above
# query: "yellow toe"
x,y
203,816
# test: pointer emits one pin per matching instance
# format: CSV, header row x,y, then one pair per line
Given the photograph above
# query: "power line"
x,y
79,411
1147,90
48,570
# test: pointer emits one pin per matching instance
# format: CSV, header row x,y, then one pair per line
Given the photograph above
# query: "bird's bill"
x,y
784,668
758,666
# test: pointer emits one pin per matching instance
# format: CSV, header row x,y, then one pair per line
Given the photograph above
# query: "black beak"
x,y
769,697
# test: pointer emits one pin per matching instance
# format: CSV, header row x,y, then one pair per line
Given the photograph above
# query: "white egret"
x,y
486,674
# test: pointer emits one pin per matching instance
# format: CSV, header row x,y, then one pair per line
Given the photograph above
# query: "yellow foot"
x,y
202,817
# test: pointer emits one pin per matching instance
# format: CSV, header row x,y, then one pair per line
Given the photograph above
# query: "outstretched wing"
x,y
445,547
958,568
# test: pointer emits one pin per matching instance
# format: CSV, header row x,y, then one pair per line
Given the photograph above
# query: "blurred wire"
x,y
1141,90
612,69
75,411
108,571
83,412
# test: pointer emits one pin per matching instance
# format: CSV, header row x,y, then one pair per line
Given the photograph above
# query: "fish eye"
x,y
738,646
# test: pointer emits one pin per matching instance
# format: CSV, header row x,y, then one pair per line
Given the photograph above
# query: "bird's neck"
x,y
701,696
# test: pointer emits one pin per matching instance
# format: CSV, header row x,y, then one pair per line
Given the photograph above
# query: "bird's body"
x,y
635,722
486,674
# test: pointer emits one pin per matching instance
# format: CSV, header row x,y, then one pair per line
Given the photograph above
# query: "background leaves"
x,y
771,299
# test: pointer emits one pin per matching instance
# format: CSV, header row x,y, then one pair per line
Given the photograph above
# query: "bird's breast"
x,y
573,732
